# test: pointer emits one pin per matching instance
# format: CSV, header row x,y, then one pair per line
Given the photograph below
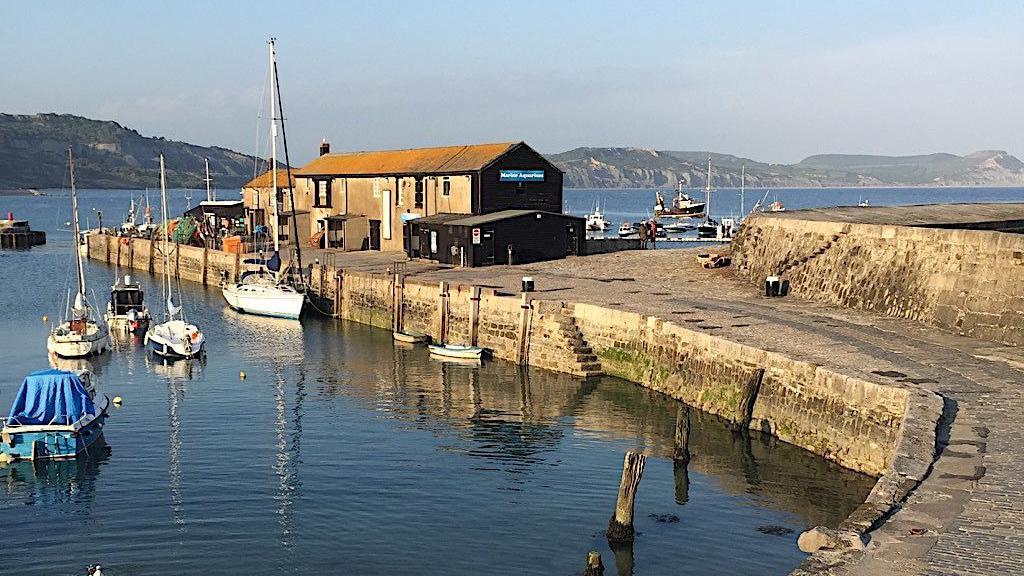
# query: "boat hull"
x,y
411,337
53,442
79,345
124,325
457,352
264,301
173,341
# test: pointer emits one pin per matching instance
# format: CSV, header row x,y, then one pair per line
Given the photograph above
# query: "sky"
x,y
772,81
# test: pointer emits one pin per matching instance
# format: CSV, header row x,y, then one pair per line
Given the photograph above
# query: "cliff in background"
x,y
33,154
648,168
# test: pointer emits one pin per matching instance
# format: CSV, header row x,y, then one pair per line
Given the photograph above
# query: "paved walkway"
x,y
967,517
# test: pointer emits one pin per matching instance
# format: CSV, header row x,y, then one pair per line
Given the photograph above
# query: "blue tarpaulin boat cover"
x,y
51,397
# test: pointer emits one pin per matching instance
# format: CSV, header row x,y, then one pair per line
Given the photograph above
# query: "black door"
x,y
487,246
572,241
374,234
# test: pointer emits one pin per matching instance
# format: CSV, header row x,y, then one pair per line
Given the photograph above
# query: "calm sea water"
x,y
634,205
341,453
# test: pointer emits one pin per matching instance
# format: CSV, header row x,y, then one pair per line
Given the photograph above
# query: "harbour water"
x,y
342,453
635,205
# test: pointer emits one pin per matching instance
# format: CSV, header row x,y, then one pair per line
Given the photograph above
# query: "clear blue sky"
x,y
774,81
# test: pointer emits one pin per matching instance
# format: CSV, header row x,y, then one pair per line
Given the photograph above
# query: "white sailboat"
x,y
263,291
174,337
709,228
80,335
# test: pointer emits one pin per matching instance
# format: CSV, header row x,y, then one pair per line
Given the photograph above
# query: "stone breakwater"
x,y
884,430
962,280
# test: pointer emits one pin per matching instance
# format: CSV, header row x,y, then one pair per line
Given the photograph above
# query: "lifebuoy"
x,y
124,240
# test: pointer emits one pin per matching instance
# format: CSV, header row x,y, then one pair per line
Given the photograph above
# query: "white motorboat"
x,y
629,228
173,338
596,221
263,291
80,335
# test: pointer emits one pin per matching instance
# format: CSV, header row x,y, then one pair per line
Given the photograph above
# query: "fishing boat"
x,y
863,203
173,338
596,221
80,335
776,206
457,352
682,205
127,311
629,228
411,337
56,415
263,291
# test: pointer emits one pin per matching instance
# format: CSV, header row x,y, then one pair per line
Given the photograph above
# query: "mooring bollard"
x,y
620,527
594,565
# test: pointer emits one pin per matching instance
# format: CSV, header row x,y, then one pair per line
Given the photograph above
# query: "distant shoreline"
x,y
826,188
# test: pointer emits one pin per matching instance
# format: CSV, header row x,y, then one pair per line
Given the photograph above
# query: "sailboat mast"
x,y
707,193
288,168
743,185
209,195
166,283
75,230
273,148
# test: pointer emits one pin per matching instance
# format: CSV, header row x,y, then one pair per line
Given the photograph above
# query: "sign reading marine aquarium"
x,y
521,176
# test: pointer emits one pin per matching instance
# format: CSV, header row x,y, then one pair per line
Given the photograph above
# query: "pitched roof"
x,y
444,159
266,179
480,219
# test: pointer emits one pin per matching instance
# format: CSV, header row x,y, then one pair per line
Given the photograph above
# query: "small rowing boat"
x,y
411,337
457,352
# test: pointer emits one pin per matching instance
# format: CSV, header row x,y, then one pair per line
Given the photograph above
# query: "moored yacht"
x,y
80,334
263,291
174,337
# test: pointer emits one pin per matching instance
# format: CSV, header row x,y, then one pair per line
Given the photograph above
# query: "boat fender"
x,y
117,401
124,240
241,375
5,437
6,458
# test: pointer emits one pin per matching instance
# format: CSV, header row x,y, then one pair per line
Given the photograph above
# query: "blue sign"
x,y
521,176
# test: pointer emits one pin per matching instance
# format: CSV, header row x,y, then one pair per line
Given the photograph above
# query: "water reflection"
x,y
65,485
512,418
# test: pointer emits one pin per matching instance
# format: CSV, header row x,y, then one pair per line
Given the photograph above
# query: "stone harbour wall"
x,y
965,281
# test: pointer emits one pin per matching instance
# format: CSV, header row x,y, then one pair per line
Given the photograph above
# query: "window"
x,y
446,186
417,198
323,194
376,187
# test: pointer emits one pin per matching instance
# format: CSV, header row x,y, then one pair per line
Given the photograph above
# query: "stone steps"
x,y
564,345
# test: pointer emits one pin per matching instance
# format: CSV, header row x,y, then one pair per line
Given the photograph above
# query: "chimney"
x,y
325,147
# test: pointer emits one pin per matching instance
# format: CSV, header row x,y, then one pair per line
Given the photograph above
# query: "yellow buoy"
x,y
241,375
117,400
45,319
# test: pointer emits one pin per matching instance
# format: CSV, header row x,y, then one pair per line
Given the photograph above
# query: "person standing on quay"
x,y
643,235
653,233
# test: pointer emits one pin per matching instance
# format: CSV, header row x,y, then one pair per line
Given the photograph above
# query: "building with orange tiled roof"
x,y
372,200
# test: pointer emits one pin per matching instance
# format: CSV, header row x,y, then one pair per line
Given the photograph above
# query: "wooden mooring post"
x,y
620,527
681,452
748,395
474,316
594,565
525,307
442,308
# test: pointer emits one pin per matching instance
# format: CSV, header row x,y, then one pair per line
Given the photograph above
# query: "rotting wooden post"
x,y
524,329
202,272
106,247
748,395
620,527
594,565
682,445
118,255
337,293
131,252
442,312
152,247
237,265
474,319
